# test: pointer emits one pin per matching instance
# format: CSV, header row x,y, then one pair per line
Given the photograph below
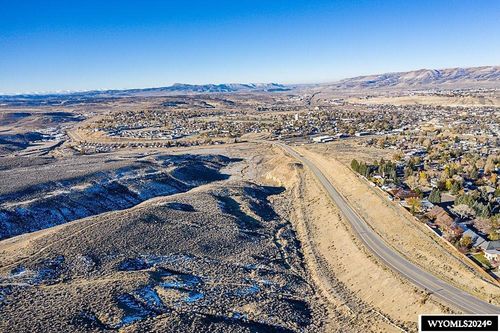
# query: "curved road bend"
x,y
446,292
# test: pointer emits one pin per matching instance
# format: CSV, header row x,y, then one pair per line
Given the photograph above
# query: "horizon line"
x,y
69,91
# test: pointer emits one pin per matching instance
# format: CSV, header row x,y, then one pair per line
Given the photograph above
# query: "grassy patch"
x,y
482,259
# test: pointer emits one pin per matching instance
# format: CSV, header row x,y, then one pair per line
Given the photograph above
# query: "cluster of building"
x,y
285,117
450,181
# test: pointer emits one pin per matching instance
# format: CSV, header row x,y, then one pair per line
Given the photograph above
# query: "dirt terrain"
x,y
216,257
463,101
58,191
262,250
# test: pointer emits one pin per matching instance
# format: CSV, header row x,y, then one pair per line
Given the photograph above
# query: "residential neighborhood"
x,y
449,182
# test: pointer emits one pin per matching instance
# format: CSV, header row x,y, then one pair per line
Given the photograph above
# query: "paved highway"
x,y
446,292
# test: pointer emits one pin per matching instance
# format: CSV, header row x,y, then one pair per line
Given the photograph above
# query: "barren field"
x,y
465,101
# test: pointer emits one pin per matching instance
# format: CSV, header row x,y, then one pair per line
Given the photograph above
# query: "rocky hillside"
x,y
212,260
46,196
472,77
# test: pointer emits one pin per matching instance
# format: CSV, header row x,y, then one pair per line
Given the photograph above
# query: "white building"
x,y
323,138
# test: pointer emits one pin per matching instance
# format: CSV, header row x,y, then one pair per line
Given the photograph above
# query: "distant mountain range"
x,y
226,87
471,77
173,89
201,88
451,78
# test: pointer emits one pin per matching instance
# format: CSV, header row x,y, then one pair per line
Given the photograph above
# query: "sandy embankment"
x,y
399,228
458,101
359,292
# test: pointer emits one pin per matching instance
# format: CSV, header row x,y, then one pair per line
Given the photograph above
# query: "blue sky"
x,y
79,45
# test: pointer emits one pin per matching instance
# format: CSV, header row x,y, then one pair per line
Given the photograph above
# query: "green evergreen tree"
x,y
355,165
435,196
362,168
419,193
